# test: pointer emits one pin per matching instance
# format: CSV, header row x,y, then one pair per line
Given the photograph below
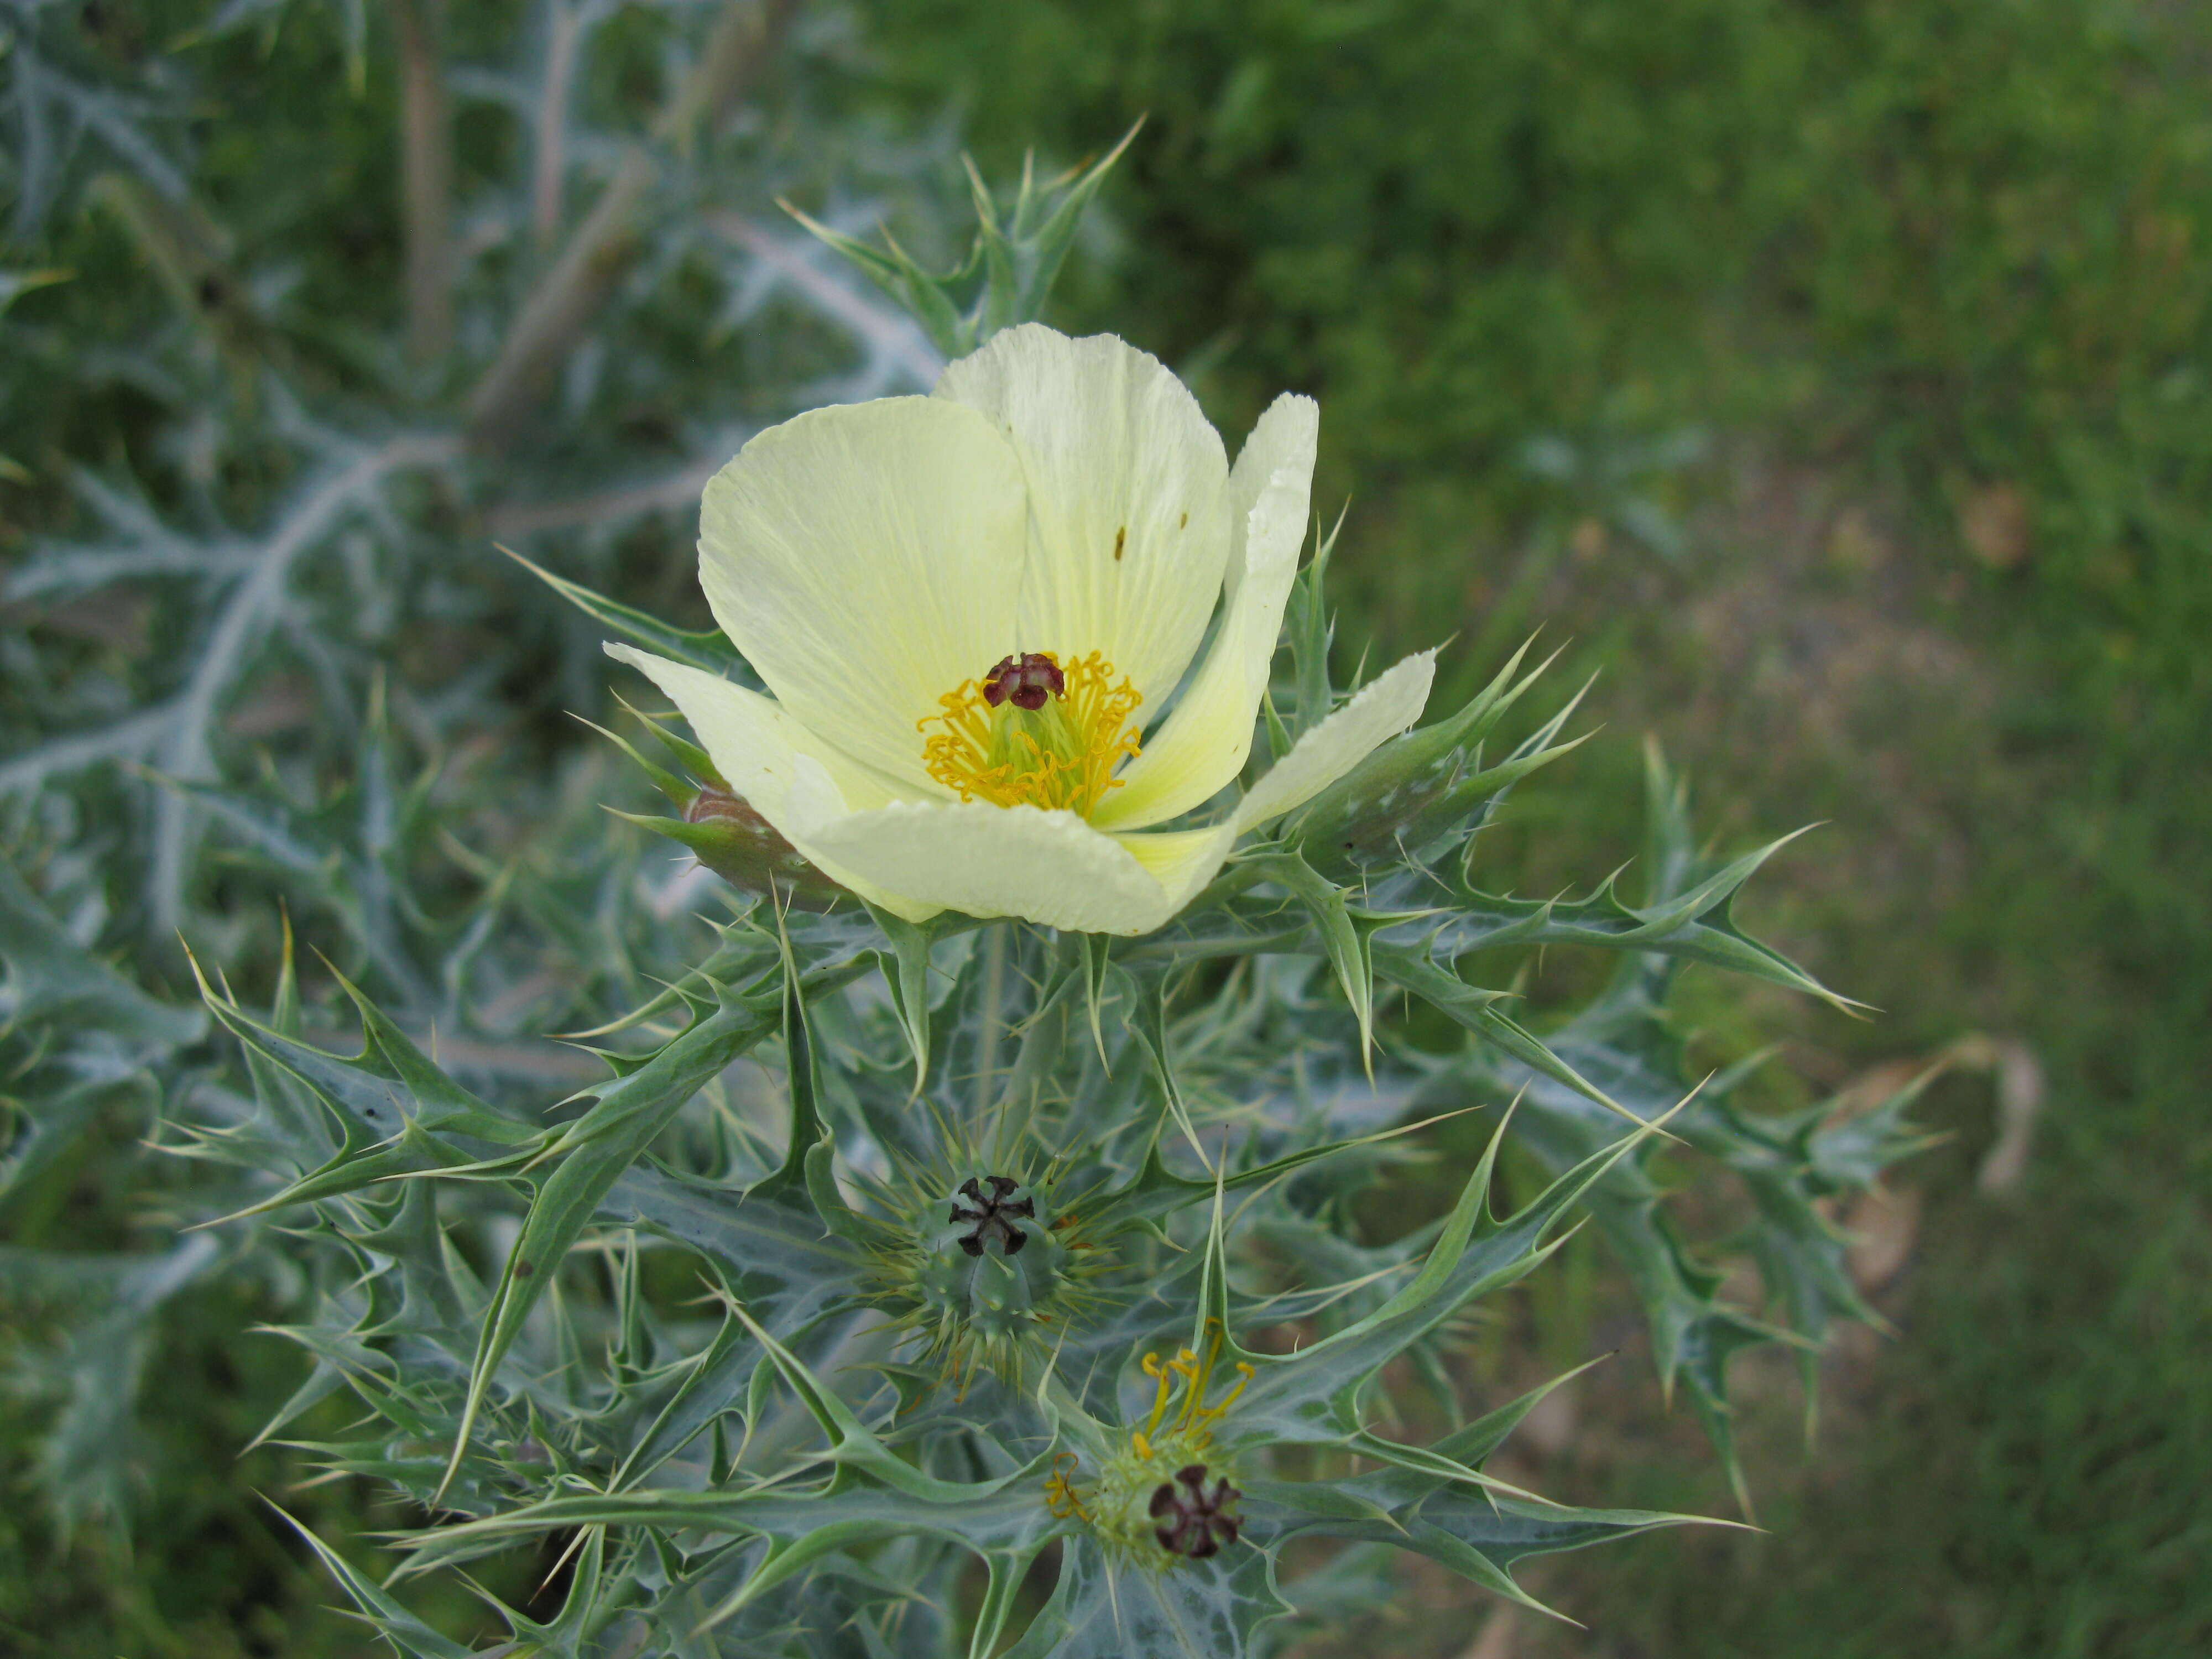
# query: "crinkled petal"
x,y
867,559
1382,708
1206,738
1130,533
779,769
1181,860
1047,867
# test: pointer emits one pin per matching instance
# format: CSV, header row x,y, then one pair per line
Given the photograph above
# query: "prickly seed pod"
x,y
984,1266
994,1261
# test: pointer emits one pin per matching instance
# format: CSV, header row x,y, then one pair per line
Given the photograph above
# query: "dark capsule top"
x,y
993,1215
1192,1521
1025,681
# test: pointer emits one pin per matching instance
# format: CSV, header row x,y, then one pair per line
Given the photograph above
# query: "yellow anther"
x,y
1061,1497
1245,1373
1062,755
1165,1377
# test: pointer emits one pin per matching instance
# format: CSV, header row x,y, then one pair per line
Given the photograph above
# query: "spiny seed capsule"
x,y
994,1215
1192,1521
992,1263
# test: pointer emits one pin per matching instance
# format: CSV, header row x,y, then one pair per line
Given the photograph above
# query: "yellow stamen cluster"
x,y
1195,1421
1063,755
1178,1432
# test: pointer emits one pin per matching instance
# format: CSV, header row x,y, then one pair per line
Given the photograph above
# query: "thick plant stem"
x,y
991,1024
569,295
426,169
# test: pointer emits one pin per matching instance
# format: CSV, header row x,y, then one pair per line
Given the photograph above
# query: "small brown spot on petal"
x,y
1185,523
1120,535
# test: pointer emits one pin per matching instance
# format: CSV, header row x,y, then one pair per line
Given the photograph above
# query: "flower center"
x,y
1152,1501
1193,1520
994,1215
1034,732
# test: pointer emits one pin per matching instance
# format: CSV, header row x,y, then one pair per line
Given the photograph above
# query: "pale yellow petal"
x,y
1204,741
1126,479
867,559
781,769
1384,708
1181,860
1047,867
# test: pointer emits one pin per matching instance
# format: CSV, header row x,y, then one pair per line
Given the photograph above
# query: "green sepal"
x,y
752,856
1424,784
1310,631
688,755
708,648
678,793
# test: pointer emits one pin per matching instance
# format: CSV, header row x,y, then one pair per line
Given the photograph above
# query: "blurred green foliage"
x,y
1579,265
1962,243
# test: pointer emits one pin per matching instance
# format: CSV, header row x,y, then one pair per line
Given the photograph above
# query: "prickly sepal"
x,y
722,829
1420,786
745,850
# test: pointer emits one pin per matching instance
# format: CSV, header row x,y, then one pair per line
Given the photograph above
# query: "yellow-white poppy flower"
x,y
972,610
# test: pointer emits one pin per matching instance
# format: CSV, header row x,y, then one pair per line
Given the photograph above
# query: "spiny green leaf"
x,y
708,648
1011,265
50,976
1101,1610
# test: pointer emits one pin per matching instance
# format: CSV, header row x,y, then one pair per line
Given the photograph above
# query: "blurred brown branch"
x,y
571,291
426,177
549,160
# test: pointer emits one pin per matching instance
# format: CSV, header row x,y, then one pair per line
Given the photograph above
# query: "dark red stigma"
x,y
1194,1522
1025,681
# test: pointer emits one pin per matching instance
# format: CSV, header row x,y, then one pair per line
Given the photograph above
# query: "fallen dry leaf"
x,y
1882,1225
1993,521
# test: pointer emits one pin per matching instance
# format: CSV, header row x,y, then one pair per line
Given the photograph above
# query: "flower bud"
x,y
737,844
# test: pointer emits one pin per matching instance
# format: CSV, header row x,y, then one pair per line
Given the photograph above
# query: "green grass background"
x,y
1713,335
